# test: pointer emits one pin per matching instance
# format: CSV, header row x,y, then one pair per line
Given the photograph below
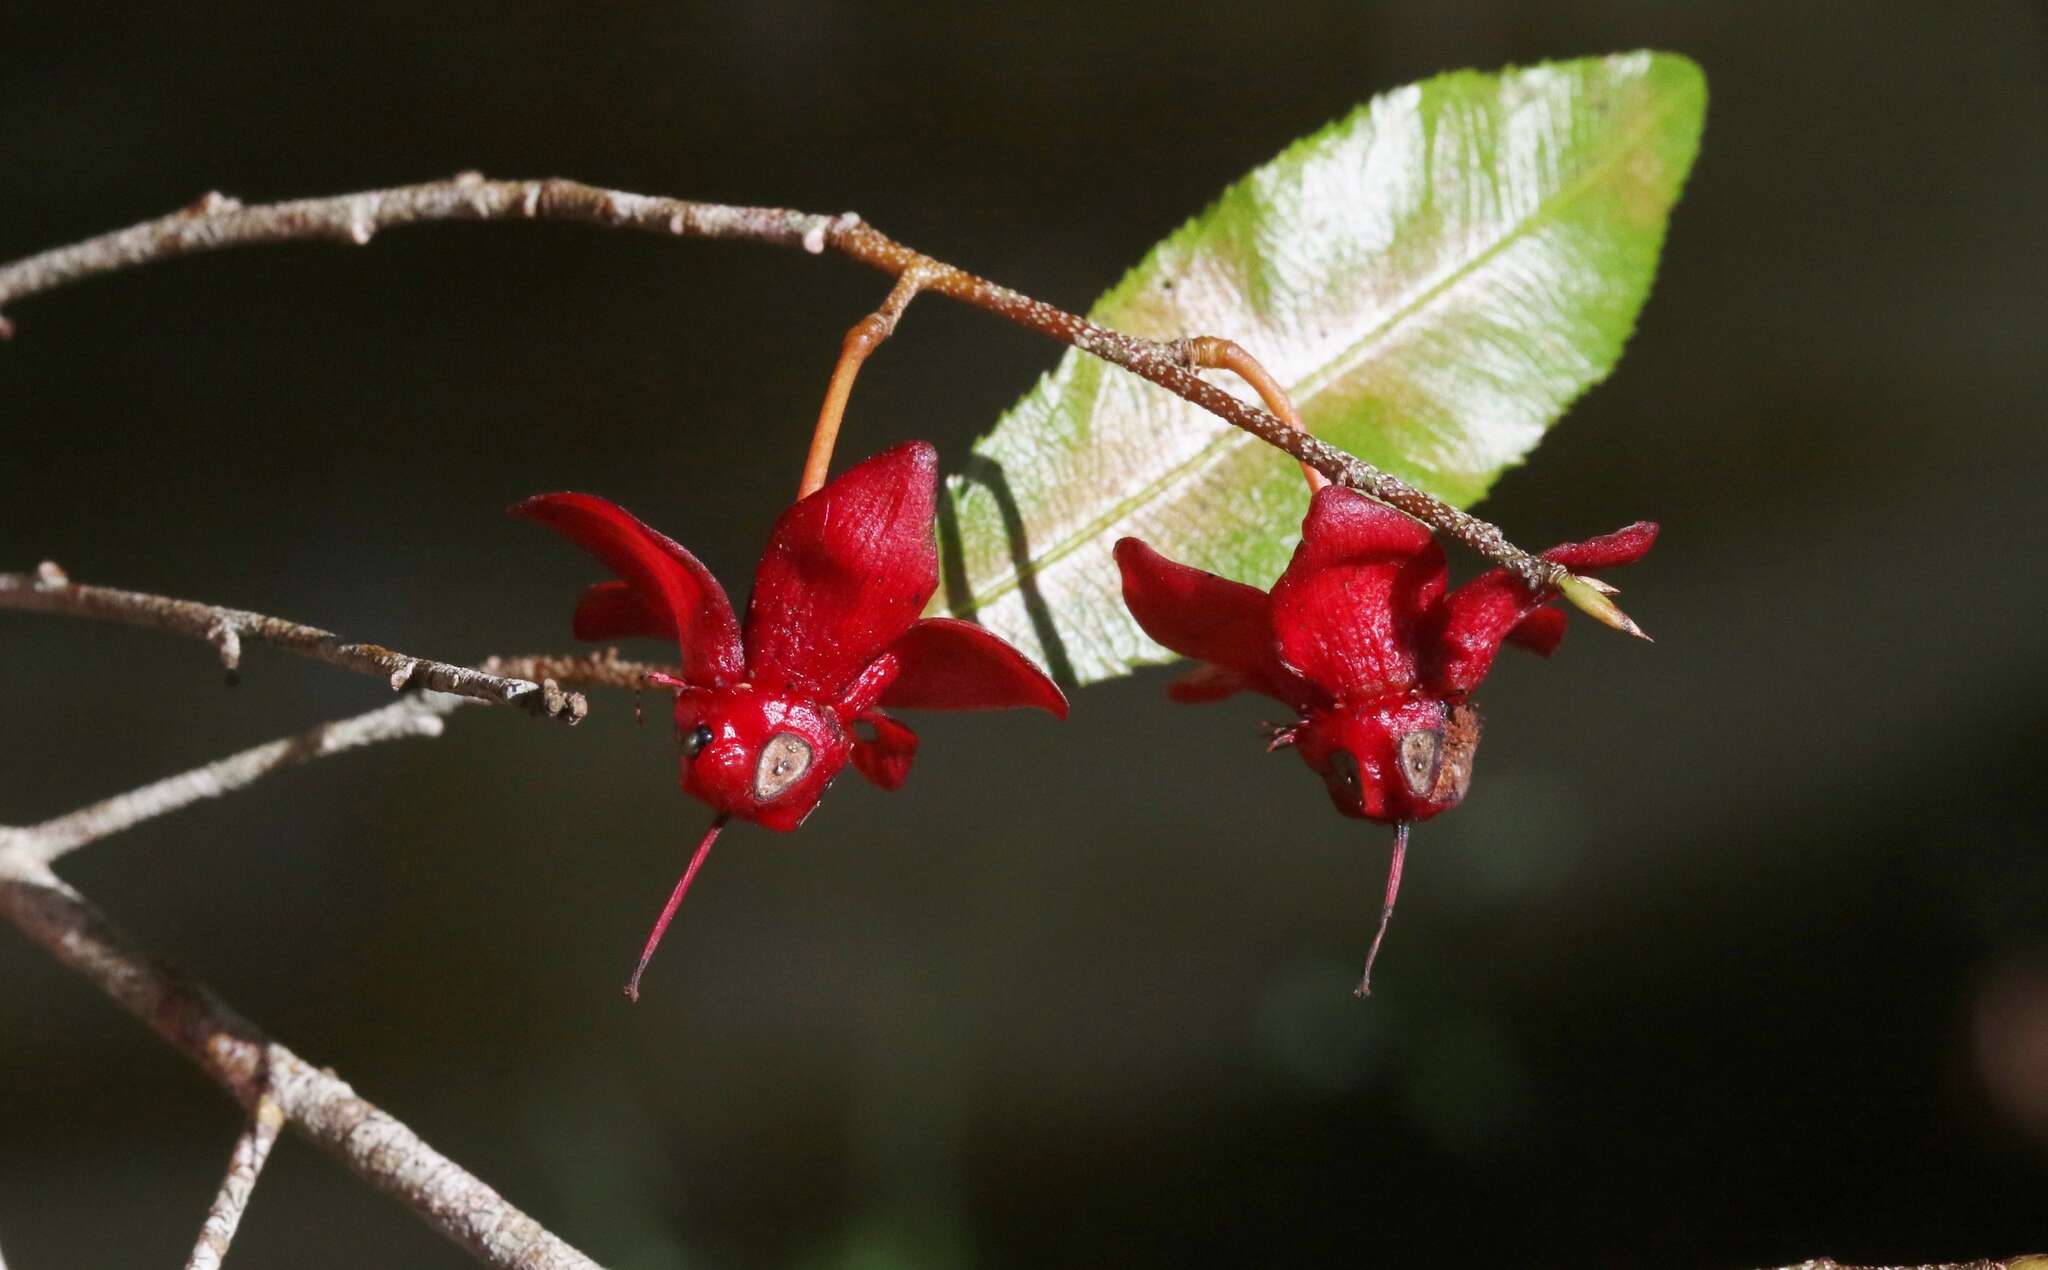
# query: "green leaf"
x,y
1434,278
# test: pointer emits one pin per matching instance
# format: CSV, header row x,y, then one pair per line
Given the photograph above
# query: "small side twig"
x,y
601,669
39,846
254,1069
245,1164
48,590
319,1105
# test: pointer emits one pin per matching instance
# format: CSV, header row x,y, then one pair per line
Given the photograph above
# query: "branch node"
x,y
469,178
559,704
50,576
403,674
226,639
213,203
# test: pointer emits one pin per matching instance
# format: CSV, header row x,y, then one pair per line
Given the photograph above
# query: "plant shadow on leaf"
x,y
988,473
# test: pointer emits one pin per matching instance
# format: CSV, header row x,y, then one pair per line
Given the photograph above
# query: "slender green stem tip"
x,y
1590,597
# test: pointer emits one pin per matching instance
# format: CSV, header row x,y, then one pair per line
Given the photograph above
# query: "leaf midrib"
x,y
1316,381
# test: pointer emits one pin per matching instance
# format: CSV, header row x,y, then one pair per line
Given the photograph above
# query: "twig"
x,y
2021,1263
39,846
252,1151
601,669
217,222
248,1064
254,1069
49,591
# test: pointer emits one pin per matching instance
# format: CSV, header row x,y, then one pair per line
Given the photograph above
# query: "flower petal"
x,y
1355,603
613,610
1496,606
1540,632
948,664
846,572
885,761
1226,624
1624,546
1206,683
667,579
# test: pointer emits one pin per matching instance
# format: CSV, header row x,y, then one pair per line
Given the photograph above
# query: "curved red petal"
x,y
1623,546
613,610
846,571
1477,617
665,575
1496,607
948,664
885,761
1540,632
1212,619
1206,683
1360,596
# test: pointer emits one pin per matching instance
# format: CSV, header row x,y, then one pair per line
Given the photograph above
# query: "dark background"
x,y
1735,955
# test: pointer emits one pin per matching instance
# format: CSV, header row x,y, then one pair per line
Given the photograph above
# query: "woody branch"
x,y
245,1164
273,1085
48,590
216,222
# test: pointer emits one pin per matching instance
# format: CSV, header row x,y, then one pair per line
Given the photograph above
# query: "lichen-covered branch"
x,y
263,1076
216,222
250,1066
38,846
2016,1263
601,669
48,590
245,1164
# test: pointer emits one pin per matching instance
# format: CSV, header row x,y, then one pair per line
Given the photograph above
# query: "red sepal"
x,y
885,761
1497,606
846,571
666,577
613,610
1227,624
1207,683
1624,546
1354,601
948,664
1540,632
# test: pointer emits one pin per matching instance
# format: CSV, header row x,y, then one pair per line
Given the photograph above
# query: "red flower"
x,y
767,714
1360,639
